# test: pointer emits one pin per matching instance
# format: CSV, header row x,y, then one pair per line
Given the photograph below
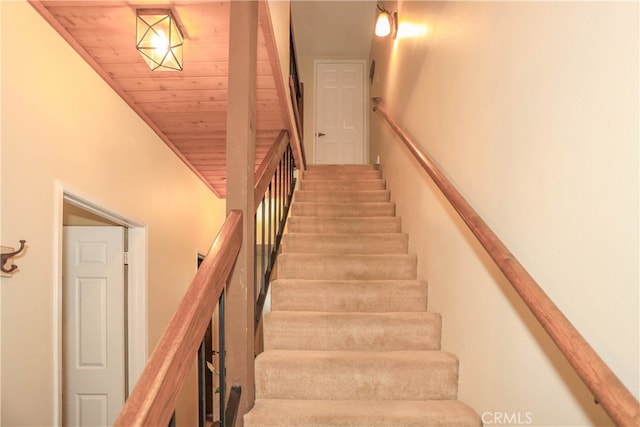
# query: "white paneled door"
x,y
93,325
339,113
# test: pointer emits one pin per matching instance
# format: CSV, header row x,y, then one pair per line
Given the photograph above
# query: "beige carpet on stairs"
x,y
349,340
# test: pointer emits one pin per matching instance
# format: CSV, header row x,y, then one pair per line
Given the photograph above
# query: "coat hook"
x,y
5,258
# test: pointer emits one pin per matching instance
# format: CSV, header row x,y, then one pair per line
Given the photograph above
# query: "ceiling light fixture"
x,y
159,40
387,23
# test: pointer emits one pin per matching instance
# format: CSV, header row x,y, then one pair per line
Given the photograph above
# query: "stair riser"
x,y
342,196
361,376
376,413
344,225
370,184
343,209
369,297
342,175
347,267
341,244
352,331
341,168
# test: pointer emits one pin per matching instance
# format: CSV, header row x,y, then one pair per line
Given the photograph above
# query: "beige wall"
x,y
280,11
62,125
532,110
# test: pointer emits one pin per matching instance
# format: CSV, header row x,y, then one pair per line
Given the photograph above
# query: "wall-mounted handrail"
x,y
154,397
608,390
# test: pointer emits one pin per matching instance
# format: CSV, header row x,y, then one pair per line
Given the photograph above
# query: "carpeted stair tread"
x,y
312,243
301,224
361,413
360,184
361,375
343,209
337,174
347,267
342,167
320,196
299,330
349,295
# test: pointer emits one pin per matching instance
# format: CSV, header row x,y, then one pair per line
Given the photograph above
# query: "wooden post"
x,y
240,183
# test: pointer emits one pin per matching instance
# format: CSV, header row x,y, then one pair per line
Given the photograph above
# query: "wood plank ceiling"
x,y
188,108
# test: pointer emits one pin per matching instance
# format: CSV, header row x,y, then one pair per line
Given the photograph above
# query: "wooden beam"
x,y
241,139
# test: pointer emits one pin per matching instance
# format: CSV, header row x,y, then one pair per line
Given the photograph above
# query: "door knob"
x,y
320,134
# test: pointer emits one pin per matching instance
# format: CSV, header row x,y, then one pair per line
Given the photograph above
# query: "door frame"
x,y
137,331
365,102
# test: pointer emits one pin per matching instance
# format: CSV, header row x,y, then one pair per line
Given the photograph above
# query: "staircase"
x,y
349,341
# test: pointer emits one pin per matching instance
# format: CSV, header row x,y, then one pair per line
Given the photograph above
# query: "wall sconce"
x,y
159,40
387,23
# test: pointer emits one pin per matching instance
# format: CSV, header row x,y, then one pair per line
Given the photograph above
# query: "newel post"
x,y
240,183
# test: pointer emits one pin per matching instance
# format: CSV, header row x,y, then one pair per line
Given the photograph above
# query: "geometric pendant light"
x,y
159,40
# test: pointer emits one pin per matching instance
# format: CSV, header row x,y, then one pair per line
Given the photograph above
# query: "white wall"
x,y
532,110
61,124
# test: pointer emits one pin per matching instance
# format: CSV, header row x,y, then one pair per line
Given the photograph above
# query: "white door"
x,y
339,121
93,325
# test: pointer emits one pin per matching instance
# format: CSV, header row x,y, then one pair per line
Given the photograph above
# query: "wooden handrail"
x,y
608,390
269,164
155,395
296,109
264,14
274,176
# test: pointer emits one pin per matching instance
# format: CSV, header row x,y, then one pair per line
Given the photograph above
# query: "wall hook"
x,y
5,258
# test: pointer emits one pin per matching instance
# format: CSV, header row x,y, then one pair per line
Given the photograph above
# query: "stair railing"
x,y
605,386
296,89
273,192
154,396
294,98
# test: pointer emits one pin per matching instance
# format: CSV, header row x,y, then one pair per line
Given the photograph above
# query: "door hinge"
x,y
126,258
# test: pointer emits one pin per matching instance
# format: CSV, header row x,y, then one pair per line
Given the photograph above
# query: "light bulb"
x,y
160,42
383,25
